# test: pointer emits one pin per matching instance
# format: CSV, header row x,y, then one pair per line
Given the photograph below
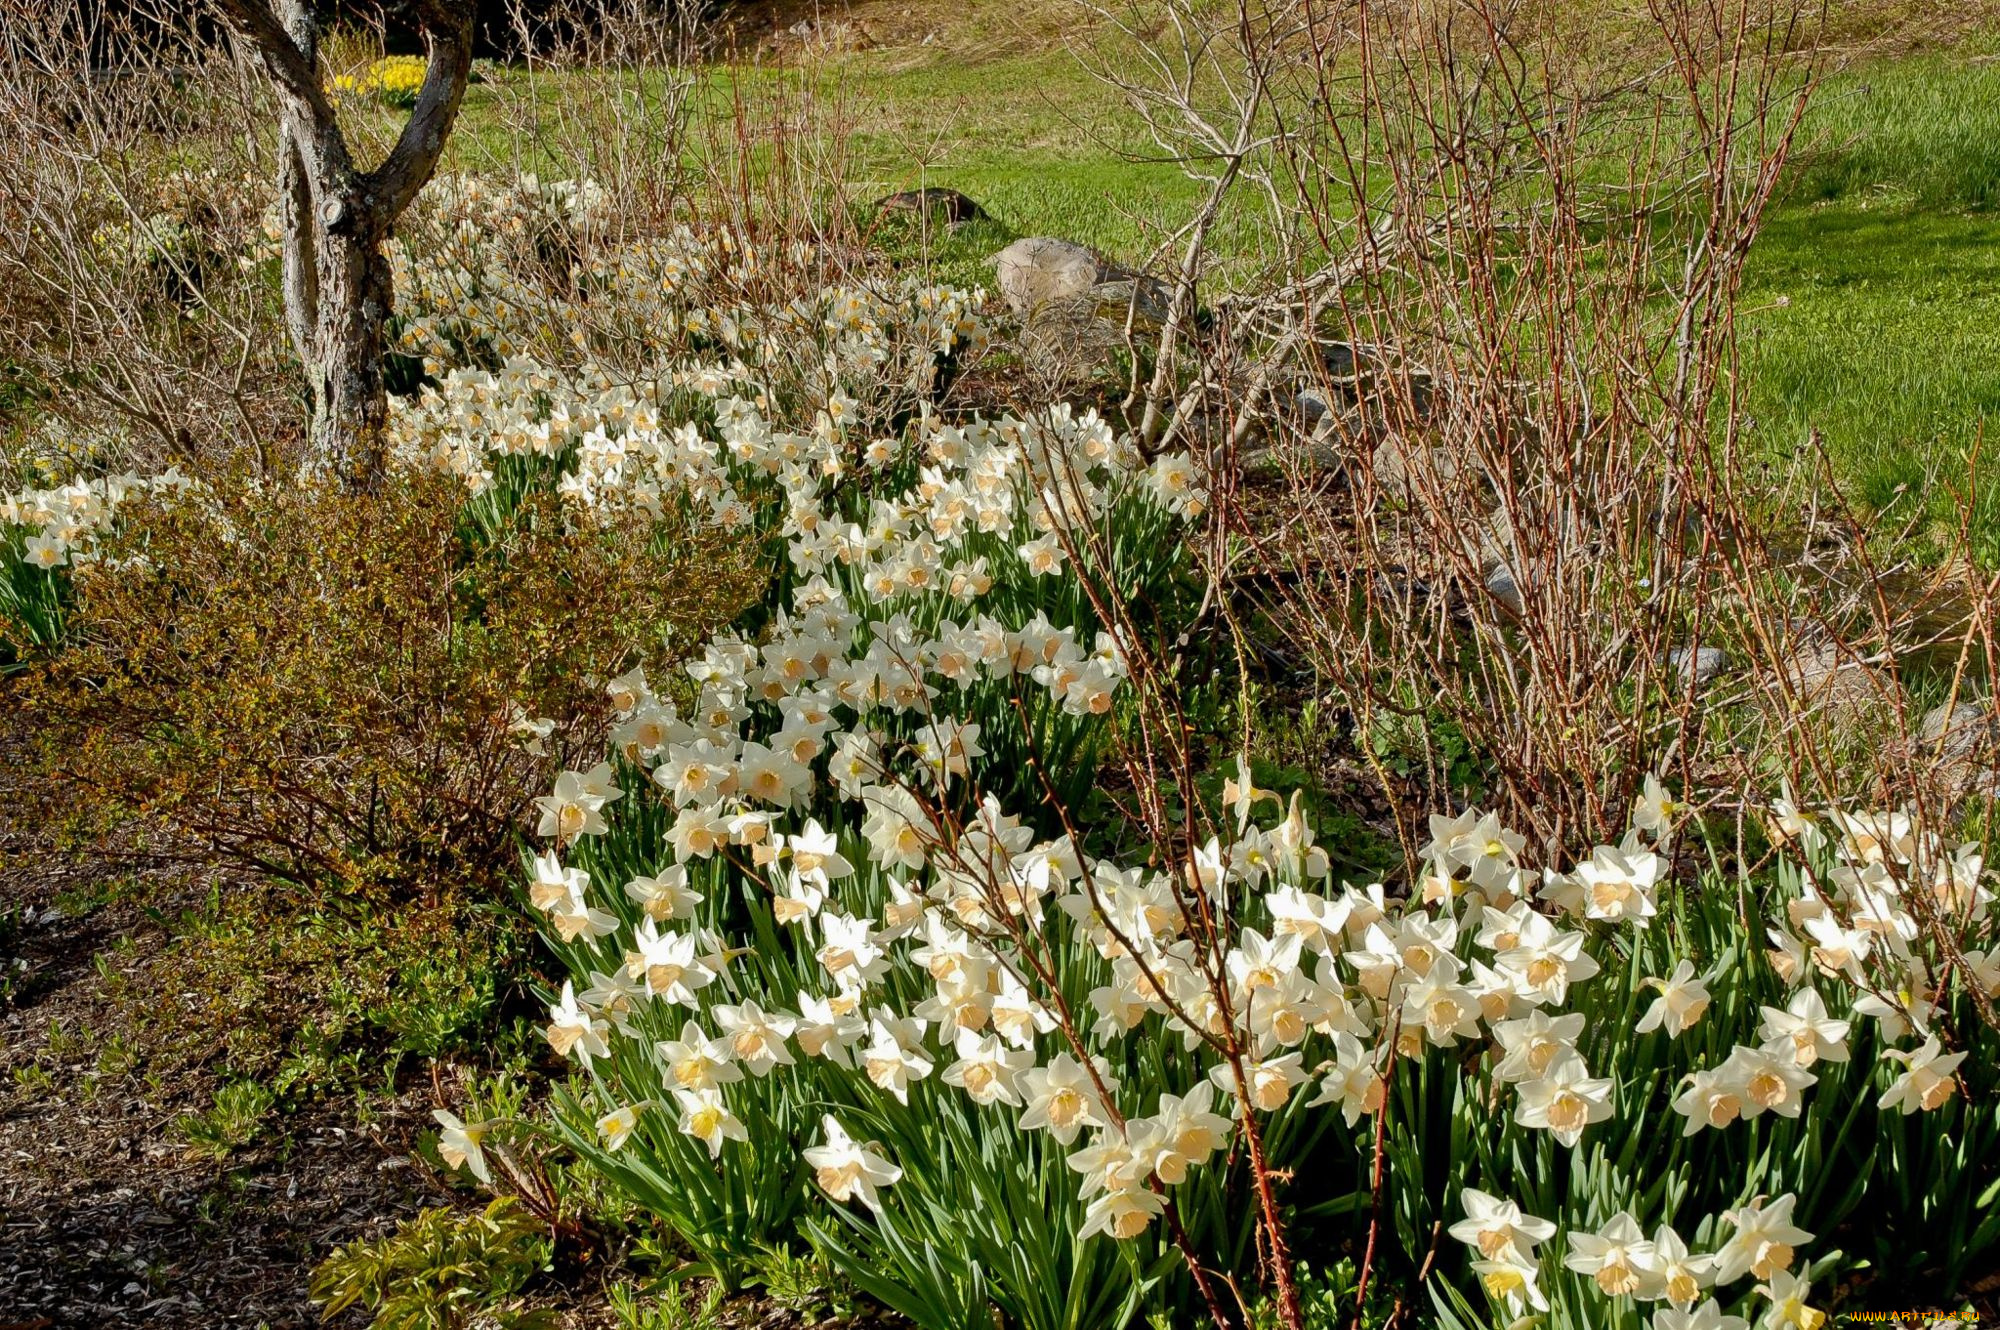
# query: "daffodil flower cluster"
x,y
1621,1261
494,273
1867,877
60,526
1325,993
395,79
859,777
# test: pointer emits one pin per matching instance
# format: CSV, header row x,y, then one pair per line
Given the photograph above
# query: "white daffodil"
x,y
1257,962
1531,1042
668,964
1708,1316
1062,1098
1712,1098
1121,1214
1241,796
1511,1283
1787,955
616,997
987,1070
1764,1243
1618,1258
574,808
707,1118
1907,1007
575,918
1442,1008
1804,1030
1654,811
665,895
828,1027
1564,1099
1269,1082
1768,1081
1497,1229
1682,1001
1927,1081
1681,1276
895,1055
1876,837
847,1171
616,1127
696,1062
815,855
1618,884
1546,961
898,831
1315,920
556,889
849,951
1352,1081
574,1030
1117,1160
1788,1309
756,1038
1185,1131
460,1144
628,692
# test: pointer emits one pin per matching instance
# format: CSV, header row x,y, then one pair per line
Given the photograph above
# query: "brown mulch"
x,y
107,1219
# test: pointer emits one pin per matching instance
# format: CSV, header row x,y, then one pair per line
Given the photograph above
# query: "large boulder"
x,y
1042,277
1961,731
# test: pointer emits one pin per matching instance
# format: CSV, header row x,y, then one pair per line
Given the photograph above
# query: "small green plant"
x,y
674,1307
232,1122
118,1057
63,1043
13,968
1327,1296
801,1283
33,1078
441,1270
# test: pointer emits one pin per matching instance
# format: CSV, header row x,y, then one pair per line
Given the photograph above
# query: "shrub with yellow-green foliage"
x,y
345,687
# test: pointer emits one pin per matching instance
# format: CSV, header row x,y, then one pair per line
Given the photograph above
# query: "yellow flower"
x,y
394,79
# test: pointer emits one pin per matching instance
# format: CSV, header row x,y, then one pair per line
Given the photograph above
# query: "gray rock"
x,y
1412,471
1041,277
1500,584
1359,374
1144,297
1958,732
1825,679
1705,663
1040,271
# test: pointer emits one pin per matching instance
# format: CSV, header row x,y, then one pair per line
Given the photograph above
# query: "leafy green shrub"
x,y
334,687
441,1271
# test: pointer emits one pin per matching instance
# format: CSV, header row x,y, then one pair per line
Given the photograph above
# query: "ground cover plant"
x,y
1407,750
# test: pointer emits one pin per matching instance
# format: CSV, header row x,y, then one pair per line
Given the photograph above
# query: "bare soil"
x,y
107,1217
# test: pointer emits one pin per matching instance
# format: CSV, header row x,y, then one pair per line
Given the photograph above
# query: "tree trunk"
x,y
338,286
349,406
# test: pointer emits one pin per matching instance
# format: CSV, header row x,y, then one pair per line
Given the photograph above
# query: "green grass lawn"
x,y
1871,310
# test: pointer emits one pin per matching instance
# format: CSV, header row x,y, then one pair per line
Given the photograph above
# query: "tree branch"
x,y
448,31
